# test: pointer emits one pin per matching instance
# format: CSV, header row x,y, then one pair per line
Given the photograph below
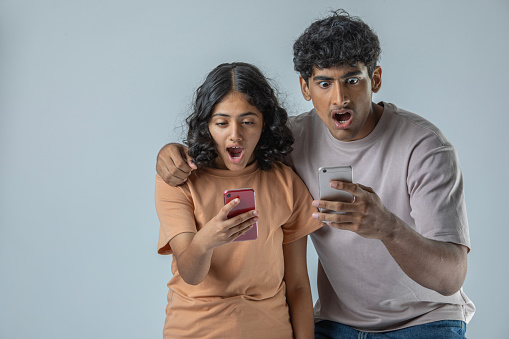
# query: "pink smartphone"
x,y
247,203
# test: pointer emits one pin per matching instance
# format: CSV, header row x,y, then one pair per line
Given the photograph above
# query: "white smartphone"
x,y
325,175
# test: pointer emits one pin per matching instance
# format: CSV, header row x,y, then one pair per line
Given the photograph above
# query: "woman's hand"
x,y
193,252
220,230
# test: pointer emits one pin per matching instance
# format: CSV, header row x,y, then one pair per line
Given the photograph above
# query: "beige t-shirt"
x,y
243,295
415,171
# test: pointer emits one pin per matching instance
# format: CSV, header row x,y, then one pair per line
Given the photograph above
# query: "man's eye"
x,y
221,124
248,122
352,81
324,84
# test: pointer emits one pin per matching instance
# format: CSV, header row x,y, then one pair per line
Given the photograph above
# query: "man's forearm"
x,y
440,266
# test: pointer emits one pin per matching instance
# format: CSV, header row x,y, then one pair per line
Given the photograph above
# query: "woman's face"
x,y
236,127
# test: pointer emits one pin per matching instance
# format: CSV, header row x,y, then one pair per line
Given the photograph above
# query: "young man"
x,y
395,260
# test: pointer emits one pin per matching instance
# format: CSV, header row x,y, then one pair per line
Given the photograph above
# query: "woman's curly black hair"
x,y
335,41
276,139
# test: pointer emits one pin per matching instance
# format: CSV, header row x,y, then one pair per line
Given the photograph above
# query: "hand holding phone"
x,y
325,176
247,203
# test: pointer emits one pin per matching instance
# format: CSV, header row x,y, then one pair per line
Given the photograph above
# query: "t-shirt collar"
x,y
248,170
371,137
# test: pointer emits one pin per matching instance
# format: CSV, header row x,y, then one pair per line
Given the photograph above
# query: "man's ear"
x,y
304,88
376,81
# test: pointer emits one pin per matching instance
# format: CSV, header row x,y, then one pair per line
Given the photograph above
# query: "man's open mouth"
x,y
342,117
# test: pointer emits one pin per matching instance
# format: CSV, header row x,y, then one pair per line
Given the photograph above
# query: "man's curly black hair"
x,y
337,40
276,139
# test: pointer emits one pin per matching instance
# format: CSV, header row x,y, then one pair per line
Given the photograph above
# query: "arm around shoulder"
x,y
174,164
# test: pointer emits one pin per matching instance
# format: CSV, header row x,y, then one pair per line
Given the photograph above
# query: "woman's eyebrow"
x,y
219,114
248,113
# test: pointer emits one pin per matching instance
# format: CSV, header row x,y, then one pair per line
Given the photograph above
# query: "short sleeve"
x,y
435,184
301,222
175,210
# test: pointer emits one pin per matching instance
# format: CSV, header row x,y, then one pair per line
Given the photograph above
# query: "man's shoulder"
x,y
412,125
301,123
306,116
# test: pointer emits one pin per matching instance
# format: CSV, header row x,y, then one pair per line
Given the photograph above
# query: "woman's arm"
x,y
298,291
193,252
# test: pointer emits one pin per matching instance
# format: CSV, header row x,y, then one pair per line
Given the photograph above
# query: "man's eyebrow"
x,y
322,77
347,75
351,74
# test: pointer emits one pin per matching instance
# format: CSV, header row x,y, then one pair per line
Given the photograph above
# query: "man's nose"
x,y
339,95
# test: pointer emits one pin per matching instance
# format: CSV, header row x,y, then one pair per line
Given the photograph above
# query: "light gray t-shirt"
x,y
415,171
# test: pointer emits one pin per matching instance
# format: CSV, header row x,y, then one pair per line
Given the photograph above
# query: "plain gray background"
x,y
90,90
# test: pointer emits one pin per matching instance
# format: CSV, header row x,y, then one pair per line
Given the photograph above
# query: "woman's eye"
x,y
219,123
352,81
248,122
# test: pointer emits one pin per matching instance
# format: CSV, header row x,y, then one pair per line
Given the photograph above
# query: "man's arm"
x,y
436,265
174,164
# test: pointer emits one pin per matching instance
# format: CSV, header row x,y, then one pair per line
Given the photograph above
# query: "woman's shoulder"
x,y
164,190
279,167
285,173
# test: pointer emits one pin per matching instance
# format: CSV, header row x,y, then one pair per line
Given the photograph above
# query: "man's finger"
x,y
343,218
190,161
337,206
367,188
184,162
180,162
344,186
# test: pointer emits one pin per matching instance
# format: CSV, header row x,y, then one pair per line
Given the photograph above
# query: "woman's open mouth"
x,y
235,154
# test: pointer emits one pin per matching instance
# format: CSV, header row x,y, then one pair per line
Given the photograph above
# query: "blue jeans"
x,y
445,329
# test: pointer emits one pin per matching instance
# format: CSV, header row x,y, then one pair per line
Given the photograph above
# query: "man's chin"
x,y
340,134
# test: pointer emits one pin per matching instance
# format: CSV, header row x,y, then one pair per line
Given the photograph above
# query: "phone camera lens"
x,y
324,171
228,195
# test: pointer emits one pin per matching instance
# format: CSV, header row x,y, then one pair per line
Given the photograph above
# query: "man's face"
x,y
342,99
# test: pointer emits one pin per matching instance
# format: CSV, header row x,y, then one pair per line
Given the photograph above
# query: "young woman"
x,y
246,289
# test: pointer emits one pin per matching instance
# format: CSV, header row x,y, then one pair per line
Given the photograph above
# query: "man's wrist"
x,y
396,229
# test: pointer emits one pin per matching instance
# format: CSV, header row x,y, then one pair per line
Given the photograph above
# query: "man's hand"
x,y
174,164
365,215
437,265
